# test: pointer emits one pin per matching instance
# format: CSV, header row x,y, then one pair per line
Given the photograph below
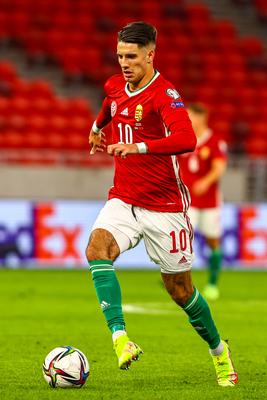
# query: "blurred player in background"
x,y
201,171
150,126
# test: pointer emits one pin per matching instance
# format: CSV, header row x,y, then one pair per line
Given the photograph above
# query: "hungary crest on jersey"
x,y
138,112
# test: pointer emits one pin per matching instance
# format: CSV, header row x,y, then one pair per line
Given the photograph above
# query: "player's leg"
x,y
211,290
104,247
210,226
181,289
101,252
168,242
194,216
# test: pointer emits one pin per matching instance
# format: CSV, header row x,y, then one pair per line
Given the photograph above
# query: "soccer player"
x,y
201,171
148,201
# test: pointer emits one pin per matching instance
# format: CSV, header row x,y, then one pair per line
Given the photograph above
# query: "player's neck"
x,y
143,82
201,131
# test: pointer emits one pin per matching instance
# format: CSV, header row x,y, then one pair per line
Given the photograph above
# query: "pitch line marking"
x,y
150,309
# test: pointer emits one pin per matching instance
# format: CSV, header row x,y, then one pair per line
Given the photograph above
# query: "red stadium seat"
x,y
7,71
16,123
259,129
206,94
258,78
262,95
41,88
14,139
35,139
251,47
222,128
223,29
236,78
202,56
21,88
56,140
4,107
79,124
80,107
215,77
198,12
37,122
19,23
77,140
42,106
225,111
58,124
256,147
249,112
247,95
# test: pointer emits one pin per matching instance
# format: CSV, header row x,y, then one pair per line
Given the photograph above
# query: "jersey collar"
x,y
131,94
204,138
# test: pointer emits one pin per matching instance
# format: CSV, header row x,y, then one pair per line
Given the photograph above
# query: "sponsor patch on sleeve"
x,y
177,104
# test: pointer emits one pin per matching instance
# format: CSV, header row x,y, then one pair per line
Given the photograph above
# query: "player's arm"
x,y
122,149
216,171
181,137
96,135
181,140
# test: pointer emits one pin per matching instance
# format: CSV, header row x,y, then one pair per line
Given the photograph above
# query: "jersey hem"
x,y
160,208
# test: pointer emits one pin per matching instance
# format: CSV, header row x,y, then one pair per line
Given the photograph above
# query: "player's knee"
x,y
92,253
181,295
213,243
180,287
101,246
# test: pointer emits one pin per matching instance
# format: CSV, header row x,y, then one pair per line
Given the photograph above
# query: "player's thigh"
x,y
102,246
210,222
168,240
193,214
117,218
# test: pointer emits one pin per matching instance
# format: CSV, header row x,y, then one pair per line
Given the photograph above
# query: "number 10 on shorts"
x,y
179,239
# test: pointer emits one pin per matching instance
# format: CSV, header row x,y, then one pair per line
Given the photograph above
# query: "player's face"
x,y
198,120
136,62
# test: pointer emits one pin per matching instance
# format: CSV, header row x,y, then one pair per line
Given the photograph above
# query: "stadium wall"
x,y
55,233
92,183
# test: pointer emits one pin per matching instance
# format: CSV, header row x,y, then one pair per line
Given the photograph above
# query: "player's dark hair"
x,y
139,32
198,108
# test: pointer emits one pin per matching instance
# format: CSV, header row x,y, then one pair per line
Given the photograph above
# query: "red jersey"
x,y
196,165
154,114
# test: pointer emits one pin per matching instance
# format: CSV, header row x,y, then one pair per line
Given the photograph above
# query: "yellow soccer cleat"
x,y
126,351
211,292
224,367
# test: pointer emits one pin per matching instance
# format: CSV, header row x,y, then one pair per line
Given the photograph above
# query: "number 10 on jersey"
x,y
126,133
180,239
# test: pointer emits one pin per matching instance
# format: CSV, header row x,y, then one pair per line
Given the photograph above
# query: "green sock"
x,y
215,263
108,292
200,318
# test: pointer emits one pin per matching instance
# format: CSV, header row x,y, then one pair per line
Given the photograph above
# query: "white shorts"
x,y
207,220
167,236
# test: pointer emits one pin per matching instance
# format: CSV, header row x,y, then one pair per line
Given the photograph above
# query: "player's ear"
x,y
150,56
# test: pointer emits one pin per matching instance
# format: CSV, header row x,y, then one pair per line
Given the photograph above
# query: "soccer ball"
x,y
66,367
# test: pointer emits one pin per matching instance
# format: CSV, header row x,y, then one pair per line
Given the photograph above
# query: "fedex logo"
x,y
56,233
54,241
253,240
244,238
32,232
16,232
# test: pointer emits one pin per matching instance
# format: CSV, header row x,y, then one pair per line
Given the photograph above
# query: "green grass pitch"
x,y
41,310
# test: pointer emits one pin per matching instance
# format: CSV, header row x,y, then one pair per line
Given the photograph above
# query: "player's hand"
x,y
200,187
122,150
97,141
